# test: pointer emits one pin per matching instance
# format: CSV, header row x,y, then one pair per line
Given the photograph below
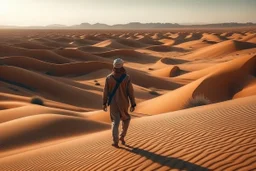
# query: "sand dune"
x,y
211,38
93,37
248,89
11,104
129,56
148,40
139,78
74,68
148,81
227,144
93,49
78,55
224,81
9,101
67,70
111,44
45,127
31,45
184,37
195,44
164,48
30,110
236,36
167,42
171,71
131,43
252,40
45,55
49,42
54,89
248,37
220,49
84,41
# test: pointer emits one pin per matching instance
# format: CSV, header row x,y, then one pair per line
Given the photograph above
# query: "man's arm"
x,y
105,95
131,94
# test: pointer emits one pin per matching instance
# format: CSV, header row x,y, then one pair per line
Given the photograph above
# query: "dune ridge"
x,y
68,130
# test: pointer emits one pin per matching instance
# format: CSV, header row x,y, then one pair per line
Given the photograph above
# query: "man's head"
x,y
118,63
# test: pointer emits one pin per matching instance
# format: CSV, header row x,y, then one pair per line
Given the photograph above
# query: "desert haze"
x,y
195,91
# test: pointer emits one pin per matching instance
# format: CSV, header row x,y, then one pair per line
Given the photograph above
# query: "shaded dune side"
x,y
111,44
74,68
248,89
212,37
217,86
93,49
30,110
167,42
44,55
54,90
172,141
194,75
79,55
49,43
131,43
40,128
165,48
79,68
194,44
184,37
227,80
148,40
31,45
149,81
249,37
171,71
83,41
9,101
4,104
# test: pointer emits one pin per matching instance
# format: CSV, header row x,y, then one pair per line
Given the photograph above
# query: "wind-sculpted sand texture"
x,y
205,138
66,70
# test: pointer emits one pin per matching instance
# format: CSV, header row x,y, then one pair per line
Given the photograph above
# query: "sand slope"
x,y
54,89
31,130
45,55
175,140
220,49
67,70
218,86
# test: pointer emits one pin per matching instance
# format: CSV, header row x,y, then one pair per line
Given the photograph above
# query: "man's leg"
x,y
125,126
115,126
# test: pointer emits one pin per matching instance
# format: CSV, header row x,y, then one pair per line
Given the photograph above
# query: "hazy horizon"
x,y
66,12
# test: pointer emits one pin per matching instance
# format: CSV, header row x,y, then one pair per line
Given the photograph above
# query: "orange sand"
x,y
67,69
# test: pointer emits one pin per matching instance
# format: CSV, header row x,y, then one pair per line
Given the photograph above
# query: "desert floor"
x,y
67,69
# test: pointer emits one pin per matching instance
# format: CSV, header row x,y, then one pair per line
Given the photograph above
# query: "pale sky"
x,y
71,12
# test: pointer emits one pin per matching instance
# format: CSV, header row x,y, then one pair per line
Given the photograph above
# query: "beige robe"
x,y
124,93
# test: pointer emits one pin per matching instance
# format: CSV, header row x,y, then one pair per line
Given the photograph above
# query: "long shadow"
x,y
171,162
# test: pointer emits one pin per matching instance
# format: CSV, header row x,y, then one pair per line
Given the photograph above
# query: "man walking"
x,y
118,91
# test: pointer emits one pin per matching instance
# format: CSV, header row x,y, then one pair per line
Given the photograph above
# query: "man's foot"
x,y
122,140
115,145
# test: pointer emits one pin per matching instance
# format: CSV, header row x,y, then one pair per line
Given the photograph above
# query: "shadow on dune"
x,y
171,162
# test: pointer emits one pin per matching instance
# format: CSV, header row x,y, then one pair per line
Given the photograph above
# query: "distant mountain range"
x,y
135,25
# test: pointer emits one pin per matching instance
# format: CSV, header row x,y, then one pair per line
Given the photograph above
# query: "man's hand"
x,y
132,109
105,108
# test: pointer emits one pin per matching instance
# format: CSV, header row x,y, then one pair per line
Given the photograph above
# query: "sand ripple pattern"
x,y
216,137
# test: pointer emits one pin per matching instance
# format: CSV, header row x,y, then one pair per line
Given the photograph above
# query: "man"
x,y
118,91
